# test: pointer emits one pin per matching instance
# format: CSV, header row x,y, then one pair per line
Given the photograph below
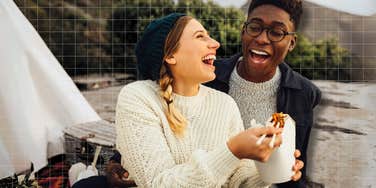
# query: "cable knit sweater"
x,y
255,100
155,157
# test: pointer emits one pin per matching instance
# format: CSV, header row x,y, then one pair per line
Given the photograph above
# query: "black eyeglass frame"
x,y
268,29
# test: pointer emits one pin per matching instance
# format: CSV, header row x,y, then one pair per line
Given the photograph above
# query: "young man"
x,y
258,79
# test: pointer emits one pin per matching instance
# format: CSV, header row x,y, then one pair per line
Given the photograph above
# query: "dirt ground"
x,y
342,151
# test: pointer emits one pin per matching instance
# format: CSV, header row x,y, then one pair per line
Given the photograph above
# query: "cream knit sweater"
x,y
156,158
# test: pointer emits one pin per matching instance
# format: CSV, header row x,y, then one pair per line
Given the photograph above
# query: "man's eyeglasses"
x,y
274,34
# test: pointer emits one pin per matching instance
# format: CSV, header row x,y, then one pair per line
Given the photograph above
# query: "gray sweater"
x,y
255,100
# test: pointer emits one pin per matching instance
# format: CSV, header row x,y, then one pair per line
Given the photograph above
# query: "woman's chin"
x,y
209,77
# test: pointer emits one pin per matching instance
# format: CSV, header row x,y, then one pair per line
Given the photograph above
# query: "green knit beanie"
x,y
149,49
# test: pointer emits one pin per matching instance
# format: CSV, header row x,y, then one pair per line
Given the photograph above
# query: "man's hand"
x,y
117,176
297,167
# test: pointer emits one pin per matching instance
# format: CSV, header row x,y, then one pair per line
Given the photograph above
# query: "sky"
x,y
235,3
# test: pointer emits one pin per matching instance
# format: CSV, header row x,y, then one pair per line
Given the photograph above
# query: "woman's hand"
x,y
244,146
297,167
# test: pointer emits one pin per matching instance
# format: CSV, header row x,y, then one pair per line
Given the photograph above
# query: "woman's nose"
x,y
213,43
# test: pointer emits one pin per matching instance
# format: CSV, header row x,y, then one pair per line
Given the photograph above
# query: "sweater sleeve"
x,y
147,157
246,174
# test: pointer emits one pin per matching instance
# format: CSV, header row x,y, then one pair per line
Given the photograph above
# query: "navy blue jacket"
x,y
297,96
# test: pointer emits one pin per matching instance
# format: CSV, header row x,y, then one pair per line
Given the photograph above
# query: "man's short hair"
x,y
292,7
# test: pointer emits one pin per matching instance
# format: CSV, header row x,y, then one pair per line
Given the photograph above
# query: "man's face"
x,y
261,56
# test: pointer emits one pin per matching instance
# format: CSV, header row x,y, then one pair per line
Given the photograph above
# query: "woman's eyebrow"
x,y
200,31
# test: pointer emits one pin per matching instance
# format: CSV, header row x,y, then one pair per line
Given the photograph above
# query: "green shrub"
x,y
102,40
131,17
323,60
74,35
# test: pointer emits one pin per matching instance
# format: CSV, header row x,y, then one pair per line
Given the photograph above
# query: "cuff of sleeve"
x,y
222,162
250,173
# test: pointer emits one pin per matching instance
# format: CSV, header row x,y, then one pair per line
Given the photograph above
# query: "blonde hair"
x,y
175,119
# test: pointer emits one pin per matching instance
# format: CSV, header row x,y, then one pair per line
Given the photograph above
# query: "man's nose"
x,y
262,38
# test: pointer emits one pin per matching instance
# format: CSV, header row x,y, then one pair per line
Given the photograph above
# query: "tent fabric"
x,y
37,97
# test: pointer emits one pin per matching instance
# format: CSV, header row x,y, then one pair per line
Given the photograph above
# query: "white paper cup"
x,y
278,168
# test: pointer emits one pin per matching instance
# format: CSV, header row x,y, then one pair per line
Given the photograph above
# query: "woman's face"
x,y
193,61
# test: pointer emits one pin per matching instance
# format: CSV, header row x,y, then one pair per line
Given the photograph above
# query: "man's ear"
x,y
171,60
243,31
293,43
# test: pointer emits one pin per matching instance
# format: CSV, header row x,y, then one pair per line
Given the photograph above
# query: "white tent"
x,y
37,97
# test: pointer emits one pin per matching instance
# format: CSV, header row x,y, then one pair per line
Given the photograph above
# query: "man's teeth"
x,y
259,52
209,57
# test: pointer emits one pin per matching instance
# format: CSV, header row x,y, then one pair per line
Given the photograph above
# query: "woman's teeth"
x,y
209,59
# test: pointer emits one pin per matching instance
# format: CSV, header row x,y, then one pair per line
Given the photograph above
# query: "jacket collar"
x,y
224,68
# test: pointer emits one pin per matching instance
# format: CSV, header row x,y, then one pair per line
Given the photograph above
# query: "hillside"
x,y
75,31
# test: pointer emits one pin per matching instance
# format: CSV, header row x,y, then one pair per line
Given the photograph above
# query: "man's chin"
x,y
256,65
258,61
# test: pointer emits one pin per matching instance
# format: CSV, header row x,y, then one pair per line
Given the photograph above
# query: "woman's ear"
x,y
171,60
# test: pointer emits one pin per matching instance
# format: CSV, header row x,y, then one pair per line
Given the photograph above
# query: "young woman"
x,y
174,132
